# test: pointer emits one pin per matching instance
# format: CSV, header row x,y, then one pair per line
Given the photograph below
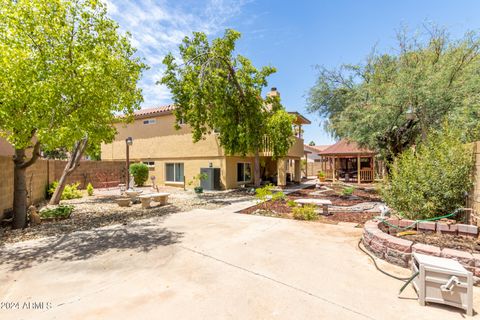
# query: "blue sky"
x,y
293,36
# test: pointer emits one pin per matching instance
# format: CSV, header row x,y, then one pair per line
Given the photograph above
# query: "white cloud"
x,y
157,27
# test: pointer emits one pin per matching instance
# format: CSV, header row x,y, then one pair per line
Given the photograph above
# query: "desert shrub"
x,y
90,189
59,212
431,180
139,171
267,196
291,203
69,192
348,191
307,212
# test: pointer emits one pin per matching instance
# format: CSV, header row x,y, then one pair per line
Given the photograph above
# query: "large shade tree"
x,y
214,89
65,72
390,102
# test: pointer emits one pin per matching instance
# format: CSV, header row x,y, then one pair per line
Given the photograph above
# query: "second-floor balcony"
x,y
296,150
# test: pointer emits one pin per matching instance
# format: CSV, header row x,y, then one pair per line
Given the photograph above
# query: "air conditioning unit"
x,y
444,281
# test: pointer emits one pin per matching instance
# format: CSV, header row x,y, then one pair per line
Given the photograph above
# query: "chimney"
x,y
273,92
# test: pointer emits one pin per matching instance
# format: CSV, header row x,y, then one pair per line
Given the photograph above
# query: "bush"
x,y
267,197
139,171
59,212
291,203
307,212
90,189
70,192
432,180
348,191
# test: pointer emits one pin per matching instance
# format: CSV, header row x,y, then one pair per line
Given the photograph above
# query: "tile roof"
x,y
318,148
345,147
145,113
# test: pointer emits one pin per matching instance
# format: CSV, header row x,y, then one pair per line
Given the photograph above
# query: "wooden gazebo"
x,y
346,161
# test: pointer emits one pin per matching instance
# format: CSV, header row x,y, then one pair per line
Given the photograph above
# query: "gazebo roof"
x,y
345,147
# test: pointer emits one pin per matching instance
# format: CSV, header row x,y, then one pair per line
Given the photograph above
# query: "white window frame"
x,y
244,181
174,172
150,164
150,121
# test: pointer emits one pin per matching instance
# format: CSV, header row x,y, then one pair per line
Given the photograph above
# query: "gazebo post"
x,y
358,170
334,169
373,168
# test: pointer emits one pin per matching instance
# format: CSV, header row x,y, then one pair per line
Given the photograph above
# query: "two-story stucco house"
x,y
172,156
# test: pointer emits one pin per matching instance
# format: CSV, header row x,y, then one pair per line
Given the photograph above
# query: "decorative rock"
x,y
426,249
427,226
467,230
465,258
446,228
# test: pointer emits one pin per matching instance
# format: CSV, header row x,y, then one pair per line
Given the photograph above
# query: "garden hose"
x,y
418,221
378,268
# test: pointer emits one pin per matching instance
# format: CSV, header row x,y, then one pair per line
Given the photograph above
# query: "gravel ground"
x,y
101,210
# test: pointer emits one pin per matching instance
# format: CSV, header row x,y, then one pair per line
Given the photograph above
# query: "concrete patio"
x,y
207,264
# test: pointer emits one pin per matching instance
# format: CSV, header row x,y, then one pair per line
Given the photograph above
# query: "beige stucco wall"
x,y
159,141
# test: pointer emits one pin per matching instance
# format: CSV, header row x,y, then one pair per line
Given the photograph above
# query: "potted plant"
x,y
197,181
321,176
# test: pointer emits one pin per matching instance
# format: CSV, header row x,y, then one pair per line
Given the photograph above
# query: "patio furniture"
x,y
324,203
161,197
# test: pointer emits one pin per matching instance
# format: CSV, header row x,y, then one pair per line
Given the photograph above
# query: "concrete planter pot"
x,y
124,202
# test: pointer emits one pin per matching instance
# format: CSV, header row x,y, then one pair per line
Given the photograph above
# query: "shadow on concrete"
x,y
140,236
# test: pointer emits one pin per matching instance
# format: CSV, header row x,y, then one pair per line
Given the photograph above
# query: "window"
x,y
174,172
149,121
150,164
243,172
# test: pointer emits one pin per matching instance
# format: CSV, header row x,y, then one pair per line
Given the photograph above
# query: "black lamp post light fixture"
x,y
128,143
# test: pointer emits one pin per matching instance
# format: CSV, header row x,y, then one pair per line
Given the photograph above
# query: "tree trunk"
x,y
20,197
20,185
72,164
256,170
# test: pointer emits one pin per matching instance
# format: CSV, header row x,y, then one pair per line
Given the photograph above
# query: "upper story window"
x,y
149,121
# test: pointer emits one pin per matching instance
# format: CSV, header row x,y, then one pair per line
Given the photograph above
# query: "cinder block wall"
x,y
43,172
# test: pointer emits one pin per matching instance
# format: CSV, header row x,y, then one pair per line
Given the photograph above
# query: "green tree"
x,y
217,90
312,143
391,101
65,73
431,179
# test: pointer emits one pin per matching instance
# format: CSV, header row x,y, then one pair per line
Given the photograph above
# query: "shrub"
x,y
348,191
267,197
320,174
291,203
59,212
69,192
90,189
307,212
139,171
431,180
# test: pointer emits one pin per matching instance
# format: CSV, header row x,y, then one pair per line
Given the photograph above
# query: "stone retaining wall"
x,y
399,251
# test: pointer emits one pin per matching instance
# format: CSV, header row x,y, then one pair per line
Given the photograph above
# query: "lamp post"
x,y
128,143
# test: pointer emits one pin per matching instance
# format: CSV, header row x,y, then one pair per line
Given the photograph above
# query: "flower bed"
x,y
399,251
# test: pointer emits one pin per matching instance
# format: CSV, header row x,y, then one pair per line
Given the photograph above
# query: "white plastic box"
x,y
444,281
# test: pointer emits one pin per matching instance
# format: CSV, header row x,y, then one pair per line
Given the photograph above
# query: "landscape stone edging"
x,y
399,251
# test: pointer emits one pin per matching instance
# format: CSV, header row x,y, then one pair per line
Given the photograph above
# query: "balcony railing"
x,y
296,150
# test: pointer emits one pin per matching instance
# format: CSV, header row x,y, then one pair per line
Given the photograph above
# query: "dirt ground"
x,y
469,244
102,210
282,210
